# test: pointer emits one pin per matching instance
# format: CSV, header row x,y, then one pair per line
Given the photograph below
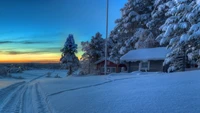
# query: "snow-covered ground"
x,y
117,93
29,75
7,82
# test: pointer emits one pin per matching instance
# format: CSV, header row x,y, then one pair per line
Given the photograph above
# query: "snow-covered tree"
x,y
174,32
135,15
158,15
115,43
192,38
68,55
94,48
93,51
145,38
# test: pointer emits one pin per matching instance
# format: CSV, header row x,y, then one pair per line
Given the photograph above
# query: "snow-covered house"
x,y
112,67
149,59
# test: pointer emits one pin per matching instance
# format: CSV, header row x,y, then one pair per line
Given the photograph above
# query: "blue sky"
x,y
41,26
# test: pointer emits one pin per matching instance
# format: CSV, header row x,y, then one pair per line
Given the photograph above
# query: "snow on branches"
x,y
68,57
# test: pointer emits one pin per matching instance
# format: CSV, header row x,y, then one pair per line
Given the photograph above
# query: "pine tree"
x,y
68,55
93,51
158,15
174,33
135,15
146,39
193,35
95,48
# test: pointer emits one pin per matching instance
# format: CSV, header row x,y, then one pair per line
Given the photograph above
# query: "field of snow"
x,y
116,93
125,93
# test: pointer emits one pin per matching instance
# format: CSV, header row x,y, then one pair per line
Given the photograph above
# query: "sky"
x,y
35,30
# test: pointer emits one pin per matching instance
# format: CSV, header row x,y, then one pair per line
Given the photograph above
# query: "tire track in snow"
x,y
14,98
6,92
42,105
27,106
13,102
89,86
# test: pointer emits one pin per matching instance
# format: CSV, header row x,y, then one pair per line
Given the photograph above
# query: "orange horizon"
x,y
32,58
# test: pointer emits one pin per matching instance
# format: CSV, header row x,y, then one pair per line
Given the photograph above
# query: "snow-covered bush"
x,y
48,74
57,76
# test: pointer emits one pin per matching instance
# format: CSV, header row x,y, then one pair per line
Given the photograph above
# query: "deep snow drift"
x,y
116,93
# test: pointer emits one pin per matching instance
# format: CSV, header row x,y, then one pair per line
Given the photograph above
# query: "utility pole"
x,y
106,41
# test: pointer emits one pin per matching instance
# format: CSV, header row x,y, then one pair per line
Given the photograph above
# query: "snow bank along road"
x,y
23,97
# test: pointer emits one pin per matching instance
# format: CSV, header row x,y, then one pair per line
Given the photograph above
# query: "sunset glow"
x,y
36,30
32,58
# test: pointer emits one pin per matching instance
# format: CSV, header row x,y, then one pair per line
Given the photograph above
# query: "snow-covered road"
x,y
120,93
24,97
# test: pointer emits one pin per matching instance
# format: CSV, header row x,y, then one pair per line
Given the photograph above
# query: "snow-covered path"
x,y
24,97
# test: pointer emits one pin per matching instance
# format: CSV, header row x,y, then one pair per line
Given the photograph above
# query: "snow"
x,y
139,92
132,13
194,35
6,82
28,76
198,1
126,93
103,59
180,1
184,38
145,54
168,31
183,25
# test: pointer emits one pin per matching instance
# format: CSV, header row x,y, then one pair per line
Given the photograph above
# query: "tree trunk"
x,y
70,71
89,68
117,68
184,55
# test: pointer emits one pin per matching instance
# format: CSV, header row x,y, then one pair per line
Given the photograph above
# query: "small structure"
x,y
148,59
112,67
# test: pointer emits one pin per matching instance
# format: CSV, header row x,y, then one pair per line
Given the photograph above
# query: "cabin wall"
x,y
110,65
156,65
133,66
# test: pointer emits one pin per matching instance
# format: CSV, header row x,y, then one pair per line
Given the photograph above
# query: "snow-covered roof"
x,y
145,54
102,59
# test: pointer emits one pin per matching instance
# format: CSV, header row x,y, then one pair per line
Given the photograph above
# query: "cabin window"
x,y
144,66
